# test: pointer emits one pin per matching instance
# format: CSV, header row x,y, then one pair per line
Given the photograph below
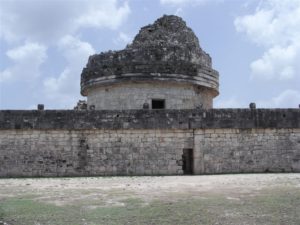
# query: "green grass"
x,y
270,207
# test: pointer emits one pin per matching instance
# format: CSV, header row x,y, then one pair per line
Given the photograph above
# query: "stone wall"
x,y
134,95
247,150
147,152
92,152
149,119
148,142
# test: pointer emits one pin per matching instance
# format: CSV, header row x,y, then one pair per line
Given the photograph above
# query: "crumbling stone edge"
x,y
150,119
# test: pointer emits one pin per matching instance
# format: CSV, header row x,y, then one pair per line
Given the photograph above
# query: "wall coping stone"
x,y
149,119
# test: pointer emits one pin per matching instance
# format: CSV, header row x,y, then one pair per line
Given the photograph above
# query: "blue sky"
x,y
44,44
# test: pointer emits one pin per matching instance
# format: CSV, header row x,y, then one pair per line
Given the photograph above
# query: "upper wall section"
x,y
166,51
132,95
150,119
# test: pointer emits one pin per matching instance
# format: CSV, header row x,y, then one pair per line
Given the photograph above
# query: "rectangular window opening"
x,y
158,103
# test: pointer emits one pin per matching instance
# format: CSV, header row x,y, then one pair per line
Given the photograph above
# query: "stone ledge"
x,y
205,80
150,119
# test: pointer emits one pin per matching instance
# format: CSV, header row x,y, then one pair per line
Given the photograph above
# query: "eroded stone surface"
x,y
148,142
178,41
147,152
166,63
164,52
149,119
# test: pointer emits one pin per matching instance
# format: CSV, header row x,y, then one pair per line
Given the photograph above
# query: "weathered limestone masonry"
x,y
148,142
133,96
92,152
149,112
247,150
164,62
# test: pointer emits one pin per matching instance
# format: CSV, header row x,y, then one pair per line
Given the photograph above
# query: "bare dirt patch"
x,y
216,199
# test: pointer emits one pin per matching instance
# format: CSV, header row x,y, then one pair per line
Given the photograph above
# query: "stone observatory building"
x,y
149,111
163,68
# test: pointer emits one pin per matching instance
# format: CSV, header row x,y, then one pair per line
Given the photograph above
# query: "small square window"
x,y
158,103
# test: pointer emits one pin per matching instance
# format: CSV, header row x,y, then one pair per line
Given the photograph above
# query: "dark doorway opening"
x,y
187,161
158,103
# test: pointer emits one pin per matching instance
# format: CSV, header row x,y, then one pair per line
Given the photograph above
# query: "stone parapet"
x,y
150,119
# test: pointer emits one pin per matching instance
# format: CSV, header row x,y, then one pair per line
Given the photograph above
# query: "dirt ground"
x,y
215,199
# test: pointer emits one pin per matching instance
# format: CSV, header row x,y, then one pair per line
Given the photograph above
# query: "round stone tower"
x,y
164,67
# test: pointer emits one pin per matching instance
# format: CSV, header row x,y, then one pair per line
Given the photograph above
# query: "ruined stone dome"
x,y
165,51
170,32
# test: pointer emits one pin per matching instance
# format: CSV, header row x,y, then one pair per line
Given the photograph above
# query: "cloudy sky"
x,y
44,44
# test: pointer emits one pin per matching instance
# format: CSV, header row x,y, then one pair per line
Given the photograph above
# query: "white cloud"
x,y
75,51
232,102
179,11
49,20
65,88
27,60
181,2
52,24
125,37
181,5
103,14
122,39
287,99
274,26
277,62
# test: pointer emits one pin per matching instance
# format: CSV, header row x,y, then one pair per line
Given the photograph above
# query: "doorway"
x,y
187,161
